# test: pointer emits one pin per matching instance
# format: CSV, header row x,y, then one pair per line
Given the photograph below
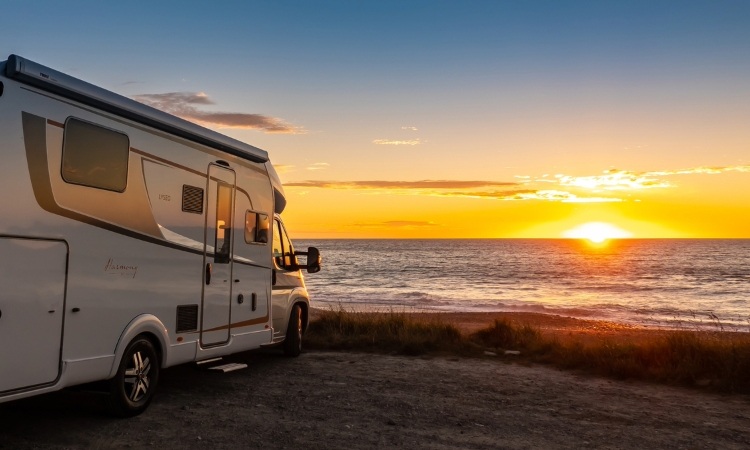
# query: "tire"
x,y
293,340
133,387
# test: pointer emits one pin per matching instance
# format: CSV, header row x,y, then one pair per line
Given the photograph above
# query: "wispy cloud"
x,y
318,166
700,170
626,180
398,224
548,195
480,189
186,105
396,142
380,184
613,180
611,186
409,128
283,168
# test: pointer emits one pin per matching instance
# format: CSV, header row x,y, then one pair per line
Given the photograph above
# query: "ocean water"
x,y
655,282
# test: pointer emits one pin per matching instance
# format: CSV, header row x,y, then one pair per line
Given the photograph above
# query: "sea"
x,y
690,283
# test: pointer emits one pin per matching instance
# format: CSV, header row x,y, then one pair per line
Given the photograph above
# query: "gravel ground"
x,y
353,400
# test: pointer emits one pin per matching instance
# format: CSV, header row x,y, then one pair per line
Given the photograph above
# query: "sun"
x,y
597,232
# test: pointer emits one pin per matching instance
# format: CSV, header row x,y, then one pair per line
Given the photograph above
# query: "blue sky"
x,y
428,90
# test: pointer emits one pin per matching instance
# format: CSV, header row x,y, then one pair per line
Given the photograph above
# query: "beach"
x,y
358,400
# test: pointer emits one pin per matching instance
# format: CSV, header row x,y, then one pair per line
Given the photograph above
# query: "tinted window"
x,y
95,156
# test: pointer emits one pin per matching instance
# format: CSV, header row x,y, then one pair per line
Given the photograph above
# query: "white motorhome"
x,y
130,241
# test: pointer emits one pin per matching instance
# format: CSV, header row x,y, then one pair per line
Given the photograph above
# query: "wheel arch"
x,y
150,327
300,299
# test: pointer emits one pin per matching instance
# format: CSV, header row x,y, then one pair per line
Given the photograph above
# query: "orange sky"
x,y
687,202
423,119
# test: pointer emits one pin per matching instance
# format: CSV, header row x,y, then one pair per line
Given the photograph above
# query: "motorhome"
x,y
132,240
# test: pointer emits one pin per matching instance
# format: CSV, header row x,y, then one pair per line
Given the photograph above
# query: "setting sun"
x,y
597,232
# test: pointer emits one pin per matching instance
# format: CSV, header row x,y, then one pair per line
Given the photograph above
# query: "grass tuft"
x,y
720,360
384,332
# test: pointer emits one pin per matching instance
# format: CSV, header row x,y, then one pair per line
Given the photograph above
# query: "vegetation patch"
x,y
719,360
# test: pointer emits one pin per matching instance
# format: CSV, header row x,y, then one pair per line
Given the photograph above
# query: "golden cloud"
x,y
183,104
395,142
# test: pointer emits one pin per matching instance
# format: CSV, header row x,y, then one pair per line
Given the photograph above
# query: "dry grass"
x,y
384,332
720,360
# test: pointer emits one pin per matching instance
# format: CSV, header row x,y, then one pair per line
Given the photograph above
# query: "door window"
x,y
223,238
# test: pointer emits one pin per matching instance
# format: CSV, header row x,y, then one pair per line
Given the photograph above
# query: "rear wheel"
x,y
132,388
293,340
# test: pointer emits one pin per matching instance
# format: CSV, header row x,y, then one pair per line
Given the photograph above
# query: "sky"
x,y
444,119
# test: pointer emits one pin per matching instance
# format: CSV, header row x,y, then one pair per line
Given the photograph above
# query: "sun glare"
x,y
597,232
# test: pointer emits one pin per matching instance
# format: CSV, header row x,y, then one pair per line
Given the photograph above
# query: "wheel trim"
x,y
136,380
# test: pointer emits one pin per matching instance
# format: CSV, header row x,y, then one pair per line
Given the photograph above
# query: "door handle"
x,y
208,273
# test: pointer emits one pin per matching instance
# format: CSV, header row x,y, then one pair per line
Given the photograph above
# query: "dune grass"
x,y
384,332
719,360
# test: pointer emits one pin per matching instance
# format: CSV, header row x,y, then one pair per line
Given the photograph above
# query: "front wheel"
x,y
293,340
132,388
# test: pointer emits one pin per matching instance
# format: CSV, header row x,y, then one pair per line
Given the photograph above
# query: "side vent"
x,y
192,199
187,318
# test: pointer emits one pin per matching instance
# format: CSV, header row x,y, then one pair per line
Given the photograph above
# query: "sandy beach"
x,y
356,400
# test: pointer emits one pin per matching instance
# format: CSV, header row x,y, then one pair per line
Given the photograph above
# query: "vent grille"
x,y
192,199
187,318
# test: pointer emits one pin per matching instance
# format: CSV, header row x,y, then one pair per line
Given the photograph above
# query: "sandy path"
x,y
352,400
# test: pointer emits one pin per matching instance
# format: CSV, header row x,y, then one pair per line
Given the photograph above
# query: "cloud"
x,y
283,168
509,191
318,166
398,224
623,180
612,180
183,104
410,128
701,170
422,184
392,142
531,194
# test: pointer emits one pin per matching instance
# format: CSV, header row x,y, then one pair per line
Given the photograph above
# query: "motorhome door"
x,y
217,256
32,307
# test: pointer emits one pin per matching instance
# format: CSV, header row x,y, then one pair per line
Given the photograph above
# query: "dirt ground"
x,y
353,400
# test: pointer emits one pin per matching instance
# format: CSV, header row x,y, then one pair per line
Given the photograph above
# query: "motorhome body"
x,y
131,240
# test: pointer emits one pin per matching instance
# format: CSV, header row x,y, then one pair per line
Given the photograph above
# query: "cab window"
x,y
283,252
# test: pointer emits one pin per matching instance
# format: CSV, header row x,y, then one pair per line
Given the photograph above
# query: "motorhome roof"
x,y
37,75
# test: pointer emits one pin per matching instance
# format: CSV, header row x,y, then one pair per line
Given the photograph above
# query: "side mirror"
x,y
313,260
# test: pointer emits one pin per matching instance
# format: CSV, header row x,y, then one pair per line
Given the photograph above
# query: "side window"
x,y
289,260
223,241
257,228
95,156
283,252
277,250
